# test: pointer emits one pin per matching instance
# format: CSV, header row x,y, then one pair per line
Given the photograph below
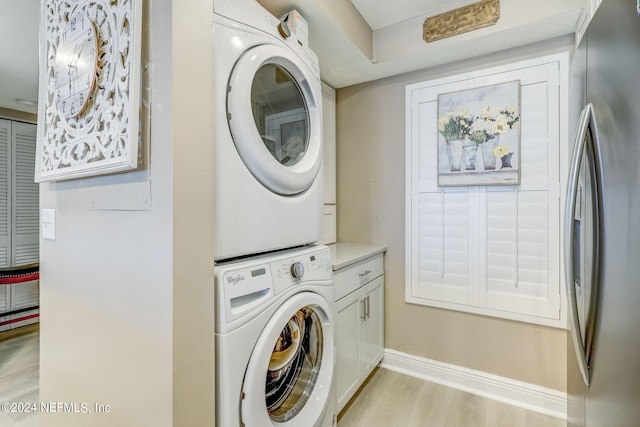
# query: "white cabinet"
x,y
359,293
583,21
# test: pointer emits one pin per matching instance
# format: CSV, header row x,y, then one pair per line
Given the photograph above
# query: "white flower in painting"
x,y
500,151
455,125
493,121
501,125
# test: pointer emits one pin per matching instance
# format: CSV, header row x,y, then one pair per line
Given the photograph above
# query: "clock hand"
x,y
69,74
73,69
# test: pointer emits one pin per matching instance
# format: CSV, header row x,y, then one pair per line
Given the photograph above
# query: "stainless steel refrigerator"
x,y
602,222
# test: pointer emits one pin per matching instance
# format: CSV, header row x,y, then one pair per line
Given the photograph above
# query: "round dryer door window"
x,y
274,116
289,377
280,114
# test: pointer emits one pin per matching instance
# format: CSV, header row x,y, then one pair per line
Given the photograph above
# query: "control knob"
x,y
297,270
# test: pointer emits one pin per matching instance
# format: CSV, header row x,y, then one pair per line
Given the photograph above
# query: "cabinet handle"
x,y
364,309
368,306
364,273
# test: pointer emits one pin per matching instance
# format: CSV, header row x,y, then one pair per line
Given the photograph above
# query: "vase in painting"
x,y
454,153
488,158
469,153
506,160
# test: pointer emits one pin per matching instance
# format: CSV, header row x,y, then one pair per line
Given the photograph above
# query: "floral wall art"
x,y
479,136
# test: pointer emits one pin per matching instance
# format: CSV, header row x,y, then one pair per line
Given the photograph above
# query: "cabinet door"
x,y
348,311
372,331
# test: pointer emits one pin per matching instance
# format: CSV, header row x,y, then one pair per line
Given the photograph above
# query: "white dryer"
x,y
275,355
268,133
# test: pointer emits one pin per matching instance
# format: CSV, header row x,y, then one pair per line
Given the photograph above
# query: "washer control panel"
x,y
313,266
247,284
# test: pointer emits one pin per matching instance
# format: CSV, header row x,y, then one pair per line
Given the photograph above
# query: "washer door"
x,y
275,120
289,377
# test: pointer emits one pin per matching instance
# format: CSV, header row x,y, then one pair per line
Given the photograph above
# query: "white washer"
x,y
275,347
268,134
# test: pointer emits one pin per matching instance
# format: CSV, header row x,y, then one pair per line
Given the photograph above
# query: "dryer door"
x,y
289,378
274,115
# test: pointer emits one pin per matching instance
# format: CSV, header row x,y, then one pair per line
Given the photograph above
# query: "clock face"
x,y
90,79
75,66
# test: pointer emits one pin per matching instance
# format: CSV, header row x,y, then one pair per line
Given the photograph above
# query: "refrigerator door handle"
x,y
585,122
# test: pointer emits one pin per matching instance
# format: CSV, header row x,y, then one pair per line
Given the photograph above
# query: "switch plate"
x,y
48,223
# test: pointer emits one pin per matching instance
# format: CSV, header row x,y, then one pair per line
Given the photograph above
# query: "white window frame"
x,y
476,288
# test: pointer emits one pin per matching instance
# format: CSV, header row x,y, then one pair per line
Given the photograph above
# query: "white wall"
x,y
126,294
370,176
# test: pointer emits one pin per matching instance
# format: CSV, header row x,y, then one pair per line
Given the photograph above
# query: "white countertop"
x,y
345,253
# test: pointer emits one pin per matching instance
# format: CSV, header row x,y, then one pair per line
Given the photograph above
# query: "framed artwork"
x,y
479,136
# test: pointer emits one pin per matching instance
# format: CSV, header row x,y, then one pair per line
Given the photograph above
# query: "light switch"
x,y
48,222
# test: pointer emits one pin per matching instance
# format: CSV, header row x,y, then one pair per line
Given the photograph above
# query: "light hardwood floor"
x,y
392,399
389,399
19,373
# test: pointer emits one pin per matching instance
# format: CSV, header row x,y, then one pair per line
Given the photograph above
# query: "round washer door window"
x,y
274,119
289,376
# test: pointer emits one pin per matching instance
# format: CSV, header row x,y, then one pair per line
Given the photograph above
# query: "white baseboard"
x,y
517,393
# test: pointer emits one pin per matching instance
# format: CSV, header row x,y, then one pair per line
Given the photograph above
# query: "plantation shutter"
x,y
491,250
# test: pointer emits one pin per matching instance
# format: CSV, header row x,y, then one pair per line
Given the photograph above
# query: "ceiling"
x,y
337,29
356,41
380,14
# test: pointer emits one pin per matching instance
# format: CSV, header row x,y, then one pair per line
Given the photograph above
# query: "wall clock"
x,y
89,108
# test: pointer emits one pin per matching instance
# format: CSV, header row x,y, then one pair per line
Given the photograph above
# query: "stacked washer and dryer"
x,y
275,362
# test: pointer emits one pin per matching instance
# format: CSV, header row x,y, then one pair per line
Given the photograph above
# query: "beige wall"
x,y
7,113
193,225
126,293
371,185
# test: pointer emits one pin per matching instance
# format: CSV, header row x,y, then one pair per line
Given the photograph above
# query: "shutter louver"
x,y
4,299
25,295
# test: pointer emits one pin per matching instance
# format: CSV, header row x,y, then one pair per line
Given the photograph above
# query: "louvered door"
x,y
25,195
5,192
19,194
19,221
